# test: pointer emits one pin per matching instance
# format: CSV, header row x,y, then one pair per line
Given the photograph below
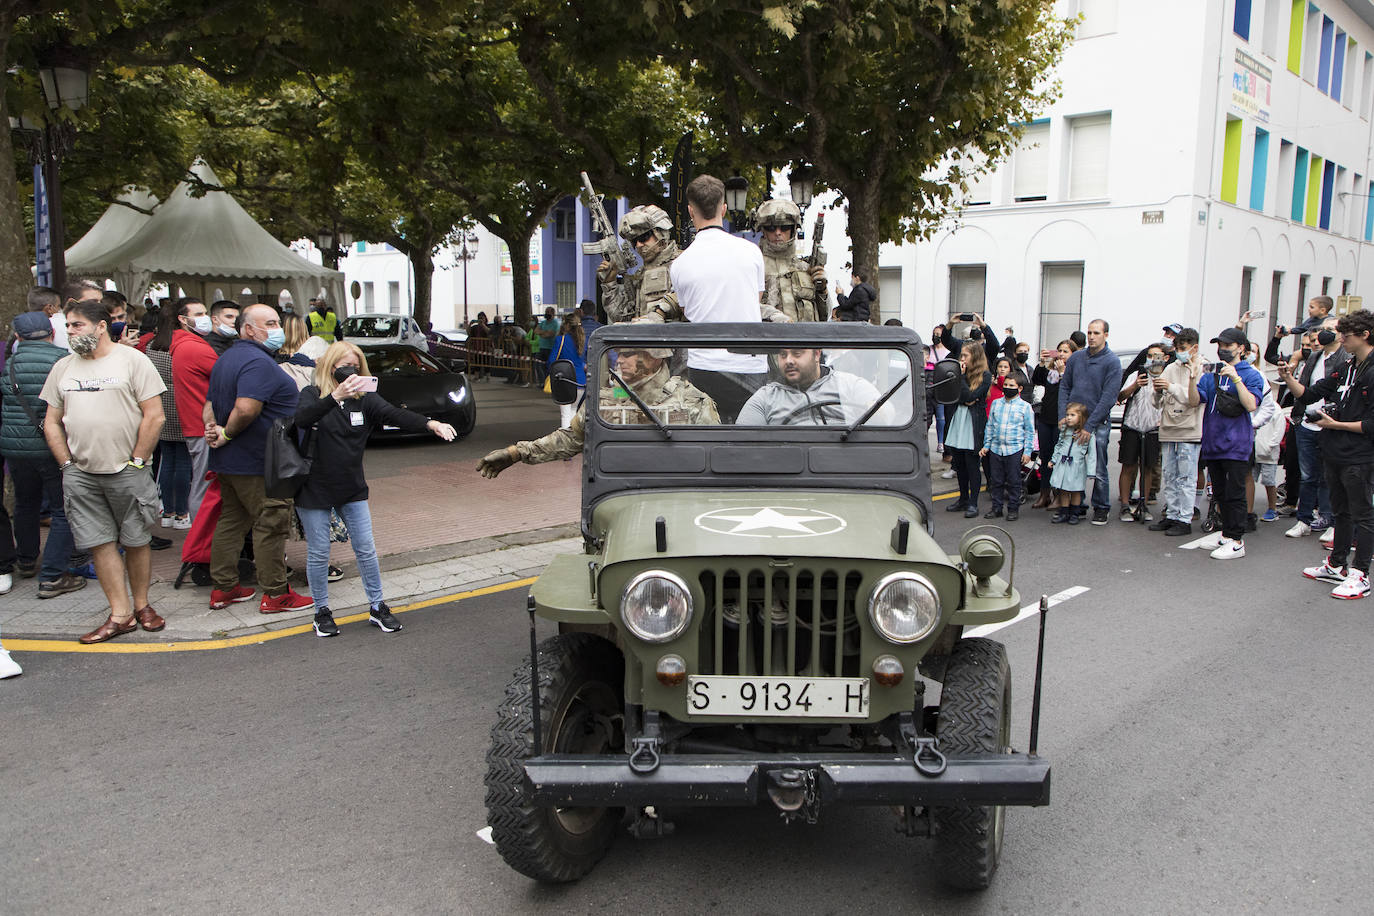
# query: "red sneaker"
x,y
286,601
220,600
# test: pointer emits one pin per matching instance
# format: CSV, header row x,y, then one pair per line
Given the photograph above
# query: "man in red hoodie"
x,y
192,360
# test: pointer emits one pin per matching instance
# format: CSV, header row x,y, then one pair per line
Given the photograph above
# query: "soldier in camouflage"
x,y
673,399
647,294
791,285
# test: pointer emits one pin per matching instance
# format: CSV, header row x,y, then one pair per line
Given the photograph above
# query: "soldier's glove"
x,y
496,462
818,274
606,271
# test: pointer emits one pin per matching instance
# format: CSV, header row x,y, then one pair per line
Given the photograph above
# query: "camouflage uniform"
x,y
673,399
788,284
646,295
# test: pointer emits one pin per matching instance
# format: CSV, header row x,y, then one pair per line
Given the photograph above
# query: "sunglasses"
x,y
643,239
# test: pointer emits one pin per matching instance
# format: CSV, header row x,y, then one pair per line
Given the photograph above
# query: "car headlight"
x,y
458,395
904,608
656,606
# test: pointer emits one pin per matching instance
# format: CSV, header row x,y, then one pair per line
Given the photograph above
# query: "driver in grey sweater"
x,y
811,394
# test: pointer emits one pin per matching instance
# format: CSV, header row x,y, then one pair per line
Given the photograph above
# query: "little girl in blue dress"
x,y
1074,464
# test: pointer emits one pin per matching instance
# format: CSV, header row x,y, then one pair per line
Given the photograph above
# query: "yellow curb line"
x,y
196,645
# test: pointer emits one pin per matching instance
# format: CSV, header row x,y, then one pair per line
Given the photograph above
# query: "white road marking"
x,y
1194,545
485,836
1029,610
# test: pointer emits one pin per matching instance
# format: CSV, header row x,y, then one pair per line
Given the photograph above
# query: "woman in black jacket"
x,y
964,433
1047,375
343,415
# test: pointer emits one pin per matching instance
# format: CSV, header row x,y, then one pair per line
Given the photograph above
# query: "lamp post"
x,y
465,253
66,85
330,252
736,196
802,181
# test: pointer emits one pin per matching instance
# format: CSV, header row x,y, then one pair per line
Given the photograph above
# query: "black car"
x,y
411,378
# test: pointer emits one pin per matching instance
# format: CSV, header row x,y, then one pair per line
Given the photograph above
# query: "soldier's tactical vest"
x,y
680,406
790,288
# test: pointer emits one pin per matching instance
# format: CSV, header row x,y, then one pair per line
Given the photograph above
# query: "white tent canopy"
x,y
200,243
115,227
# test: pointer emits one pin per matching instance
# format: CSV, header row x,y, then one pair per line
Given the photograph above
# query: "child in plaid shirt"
x,y
1007,445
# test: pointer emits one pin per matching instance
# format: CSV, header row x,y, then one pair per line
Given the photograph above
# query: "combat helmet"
x,y
647,218
773,213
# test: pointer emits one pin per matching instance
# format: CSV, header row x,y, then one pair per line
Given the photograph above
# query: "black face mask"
x,y
1226,355
1022,357
1306,352
1326,337
342,373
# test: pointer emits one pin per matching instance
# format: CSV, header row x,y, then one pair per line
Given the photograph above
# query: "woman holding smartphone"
x,y
343,408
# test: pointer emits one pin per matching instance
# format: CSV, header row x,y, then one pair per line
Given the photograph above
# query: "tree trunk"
x,y
520,276
422,262
863,235
15,276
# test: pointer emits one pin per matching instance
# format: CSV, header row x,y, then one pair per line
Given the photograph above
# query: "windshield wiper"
x,y
877,405
639,402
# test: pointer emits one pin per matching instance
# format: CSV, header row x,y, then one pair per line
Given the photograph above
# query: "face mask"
x,y
1022,357
1226,355
275,338
343,373
1306,352
83,344
202,324
1011,392
1155,366
1326,337
227,330
1182,356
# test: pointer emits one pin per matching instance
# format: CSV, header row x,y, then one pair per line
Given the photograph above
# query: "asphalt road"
x,y
1207,723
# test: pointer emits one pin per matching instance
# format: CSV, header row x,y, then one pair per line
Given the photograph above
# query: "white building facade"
x,y
1206,157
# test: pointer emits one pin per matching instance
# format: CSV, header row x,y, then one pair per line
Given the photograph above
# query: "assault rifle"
x,y
619,254
817,256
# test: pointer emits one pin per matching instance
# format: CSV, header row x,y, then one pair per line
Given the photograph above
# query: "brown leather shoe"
x,y
149,619
109,630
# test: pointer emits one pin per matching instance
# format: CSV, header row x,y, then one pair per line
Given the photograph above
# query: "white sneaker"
x,y
1356,585
182,522
9,667
948,475
167,521
1326,572
1229,550
1213,541
6,583
1328,537
1299,530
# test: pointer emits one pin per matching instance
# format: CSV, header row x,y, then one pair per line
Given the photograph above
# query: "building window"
x,y
1089,154
1247,278
564,225
1230,160
1283,199
979,188
1324,56
1326,286
393,296
1241,22
1367,86
1270,39
369,297
1259,170
1356,198
1031,163
968,286
1345,287
1328,187
1299,186
1338,58
1369,214
1275,289
1296,17
566,293
1312,44
1061,301
1313,204
1099,17
1302,297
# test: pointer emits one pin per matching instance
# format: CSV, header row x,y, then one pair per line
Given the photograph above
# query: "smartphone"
x,y
368,383
966,316
1257,314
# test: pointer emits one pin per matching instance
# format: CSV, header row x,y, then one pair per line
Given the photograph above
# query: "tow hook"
x,y
795,794
644,748
928,758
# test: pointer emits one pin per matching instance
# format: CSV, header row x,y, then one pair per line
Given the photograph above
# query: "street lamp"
x,y
736,195
803,183
65,82
328,251
466,252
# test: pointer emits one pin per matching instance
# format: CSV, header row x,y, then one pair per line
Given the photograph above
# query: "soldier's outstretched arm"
x,y
561,443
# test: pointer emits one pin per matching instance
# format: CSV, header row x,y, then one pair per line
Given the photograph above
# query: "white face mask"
x,y
201,324
227,330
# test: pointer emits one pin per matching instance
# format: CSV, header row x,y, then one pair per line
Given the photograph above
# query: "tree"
x,y
899,104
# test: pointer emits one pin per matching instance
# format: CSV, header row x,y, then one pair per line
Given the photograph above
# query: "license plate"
x,y
818,697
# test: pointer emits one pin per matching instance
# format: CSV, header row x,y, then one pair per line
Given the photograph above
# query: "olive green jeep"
x,y
759,609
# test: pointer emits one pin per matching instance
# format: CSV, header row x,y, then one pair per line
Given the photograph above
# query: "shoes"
x,y
8,666
1197,513
1288,511
167,520
948,475
182,522
1100,516
1325,573
158,543
149,619
1212,542
335,574
1356,585
1229,550
61,585
994,513
1075,517
1251,521
1012,515
971,511
6,583
1299,530
285,602
1269,516
109,630
1320,523
382,618
1127,513
956,507
324,623
86,571
1328,537
1164,524
1044,501
219,600
1060,517
1178,530
26,570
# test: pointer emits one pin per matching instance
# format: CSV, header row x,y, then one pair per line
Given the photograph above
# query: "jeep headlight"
x,y
656,606
904,608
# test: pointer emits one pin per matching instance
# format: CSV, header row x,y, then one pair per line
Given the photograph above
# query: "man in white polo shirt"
x,y
720,278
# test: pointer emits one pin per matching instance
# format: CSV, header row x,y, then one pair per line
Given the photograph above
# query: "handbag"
x,y
285,465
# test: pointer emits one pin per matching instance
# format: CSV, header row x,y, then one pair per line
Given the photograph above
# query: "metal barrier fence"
x,y
482,358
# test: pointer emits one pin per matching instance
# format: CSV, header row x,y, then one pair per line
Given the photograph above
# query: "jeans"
x,y
356,516
1313,493
1102,495
174,478
1228,490
34,480
1351,487
1179,487
1004,481
970,473
940,424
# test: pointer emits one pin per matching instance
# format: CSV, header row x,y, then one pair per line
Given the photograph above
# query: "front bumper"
x,y
689,780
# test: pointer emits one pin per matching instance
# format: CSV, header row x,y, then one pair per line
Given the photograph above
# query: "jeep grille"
x,y
780,623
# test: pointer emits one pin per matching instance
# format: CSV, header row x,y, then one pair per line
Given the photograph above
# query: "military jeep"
x,y
757,613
